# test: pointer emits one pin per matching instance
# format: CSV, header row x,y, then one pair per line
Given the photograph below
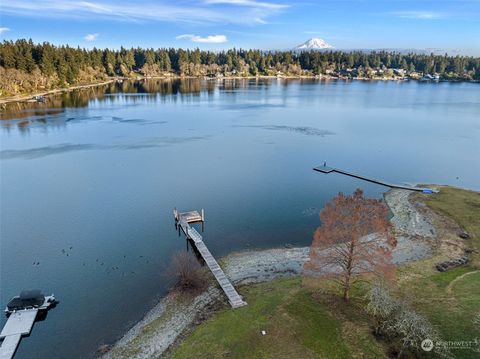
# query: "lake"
x,y
89,180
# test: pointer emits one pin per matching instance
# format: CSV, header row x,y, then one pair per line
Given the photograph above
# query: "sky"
x,y
442,25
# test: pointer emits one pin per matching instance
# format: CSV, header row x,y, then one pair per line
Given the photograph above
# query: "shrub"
x,y
395,319
188,272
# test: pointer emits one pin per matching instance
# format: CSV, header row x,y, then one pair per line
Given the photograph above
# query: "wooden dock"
x,y
183,220
325,169
19,323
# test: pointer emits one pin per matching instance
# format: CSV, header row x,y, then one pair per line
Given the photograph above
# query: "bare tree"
x,y
354,238
188,272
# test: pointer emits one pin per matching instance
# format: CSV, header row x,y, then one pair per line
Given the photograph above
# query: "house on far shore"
x,y
428,77
399,72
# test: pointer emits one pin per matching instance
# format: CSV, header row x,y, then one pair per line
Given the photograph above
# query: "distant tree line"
x,y
65,65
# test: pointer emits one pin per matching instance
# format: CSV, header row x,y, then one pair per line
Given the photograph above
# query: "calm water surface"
x,y
89,180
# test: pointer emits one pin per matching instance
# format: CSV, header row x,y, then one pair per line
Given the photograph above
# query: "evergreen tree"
x,y
7,55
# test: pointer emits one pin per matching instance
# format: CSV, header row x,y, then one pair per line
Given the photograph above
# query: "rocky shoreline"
x,y
164,324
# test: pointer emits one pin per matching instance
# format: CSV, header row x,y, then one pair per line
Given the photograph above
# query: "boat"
x,y
39,98
30,299
428,77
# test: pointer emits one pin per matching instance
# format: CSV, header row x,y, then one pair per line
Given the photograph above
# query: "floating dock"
x,y
325,169
22,312
182,221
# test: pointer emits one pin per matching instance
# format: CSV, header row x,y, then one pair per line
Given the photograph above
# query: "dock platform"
x,y
183,220
325,169
19,323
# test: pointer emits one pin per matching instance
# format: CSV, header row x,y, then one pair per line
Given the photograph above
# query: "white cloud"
x,y
4,29
212,39
259,20
204,12
91,37
419,15
249,3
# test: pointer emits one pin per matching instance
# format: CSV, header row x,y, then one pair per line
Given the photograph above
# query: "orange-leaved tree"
x,y
355,238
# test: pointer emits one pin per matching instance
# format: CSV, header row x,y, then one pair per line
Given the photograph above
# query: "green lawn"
x,y
451,300
298,325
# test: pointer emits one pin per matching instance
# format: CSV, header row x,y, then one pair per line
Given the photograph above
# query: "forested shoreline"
x,y
27,67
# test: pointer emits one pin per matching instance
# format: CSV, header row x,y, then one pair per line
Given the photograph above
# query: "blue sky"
x,y
449,25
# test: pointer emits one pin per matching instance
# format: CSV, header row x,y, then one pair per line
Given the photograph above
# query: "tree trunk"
x,y
346,289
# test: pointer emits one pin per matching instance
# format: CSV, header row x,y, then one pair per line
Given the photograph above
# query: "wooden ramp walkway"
x,y
183,220
19,323
326,169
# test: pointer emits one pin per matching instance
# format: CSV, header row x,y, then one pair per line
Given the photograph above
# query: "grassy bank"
x,y
450,300
297,322
304,320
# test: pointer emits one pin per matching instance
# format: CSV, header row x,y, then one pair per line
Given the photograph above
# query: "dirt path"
x,y
449,288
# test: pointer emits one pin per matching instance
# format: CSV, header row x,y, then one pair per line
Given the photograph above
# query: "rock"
x,y
464,235
103,349
288,245
453,263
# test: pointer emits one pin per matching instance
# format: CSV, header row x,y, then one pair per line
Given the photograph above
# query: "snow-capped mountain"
x,y
314,44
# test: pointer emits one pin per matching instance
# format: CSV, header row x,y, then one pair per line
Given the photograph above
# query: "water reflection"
x,y
128,90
